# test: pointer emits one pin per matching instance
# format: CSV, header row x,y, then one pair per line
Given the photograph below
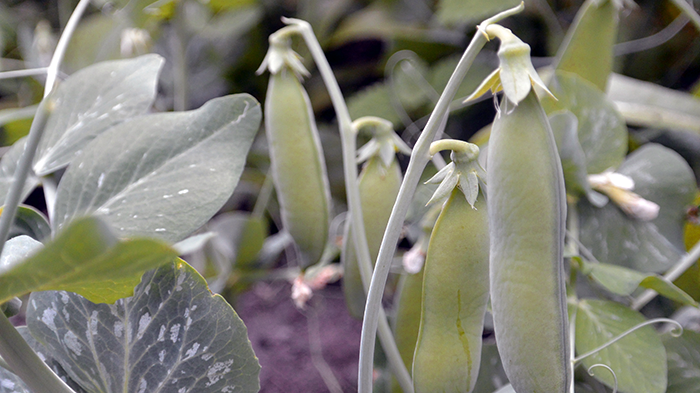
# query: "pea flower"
x,y
619,188
515,74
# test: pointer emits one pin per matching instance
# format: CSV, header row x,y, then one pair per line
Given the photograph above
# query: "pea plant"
x,y
533,249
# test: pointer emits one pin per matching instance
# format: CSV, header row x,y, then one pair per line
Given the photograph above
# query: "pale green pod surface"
x,y
527,210
407,319
298,167
378,186
455,294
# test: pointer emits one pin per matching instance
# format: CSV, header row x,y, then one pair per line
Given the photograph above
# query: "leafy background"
x,y
392,58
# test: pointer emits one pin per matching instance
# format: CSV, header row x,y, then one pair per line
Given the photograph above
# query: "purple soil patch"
x,y
280,333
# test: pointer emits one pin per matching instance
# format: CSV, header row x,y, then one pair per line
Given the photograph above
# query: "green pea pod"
x,y
455,293
298,166
587,49
407,319
379,186
527,211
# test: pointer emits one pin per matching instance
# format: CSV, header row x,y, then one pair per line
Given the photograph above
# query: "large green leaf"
x,y
573,159
8,167
638,360
91,101
683,362
85,257
162,175
661,176
601,129
11,383
30,222
624,282
173,335
650,105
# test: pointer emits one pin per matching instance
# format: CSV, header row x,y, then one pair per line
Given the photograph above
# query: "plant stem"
x,y
4,365
24,362
179,49
19,356
689,11
23,73
679,268
349,146
57,59
419,158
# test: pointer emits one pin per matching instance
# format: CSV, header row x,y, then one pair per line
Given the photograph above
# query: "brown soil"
x,y
280,336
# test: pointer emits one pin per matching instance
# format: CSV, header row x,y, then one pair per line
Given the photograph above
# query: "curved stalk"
x,y
14,350
679,268
689,11
606,367
349,146
419,158
632,330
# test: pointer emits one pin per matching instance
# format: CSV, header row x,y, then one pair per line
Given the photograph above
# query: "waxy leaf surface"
x,y
661,176
172,336
601,129
639,359
162,175
8,167
91,101
86,258
624,282
683,362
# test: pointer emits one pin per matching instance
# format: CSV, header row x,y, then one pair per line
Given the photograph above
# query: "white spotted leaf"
x,y
91,101
683,362
172,336
162,175
11,383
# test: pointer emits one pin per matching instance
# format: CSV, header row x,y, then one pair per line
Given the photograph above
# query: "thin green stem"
x,y
24,362
179,48
349,146
689,11
679,268
419,158
50,187
23,73
264,196
59,53
621,336
16,352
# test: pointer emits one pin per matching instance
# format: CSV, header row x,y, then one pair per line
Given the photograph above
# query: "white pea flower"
x,y
619,188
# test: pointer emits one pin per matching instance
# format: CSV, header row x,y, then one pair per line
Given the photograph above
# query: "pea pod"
x,y
455,283
379,184
298,166
526,213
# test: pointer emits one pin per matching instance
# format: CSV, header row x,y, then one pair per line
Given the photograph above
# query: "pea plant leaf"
x,y
86,257
11,383
602,132
573,159
8,166
683,362
91,101
661,176
622,281
30,222
173,335
162,175
638,360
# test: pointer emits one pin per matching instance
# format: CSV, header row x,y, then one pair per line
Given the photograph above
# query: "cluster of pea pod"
x,y
499,234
